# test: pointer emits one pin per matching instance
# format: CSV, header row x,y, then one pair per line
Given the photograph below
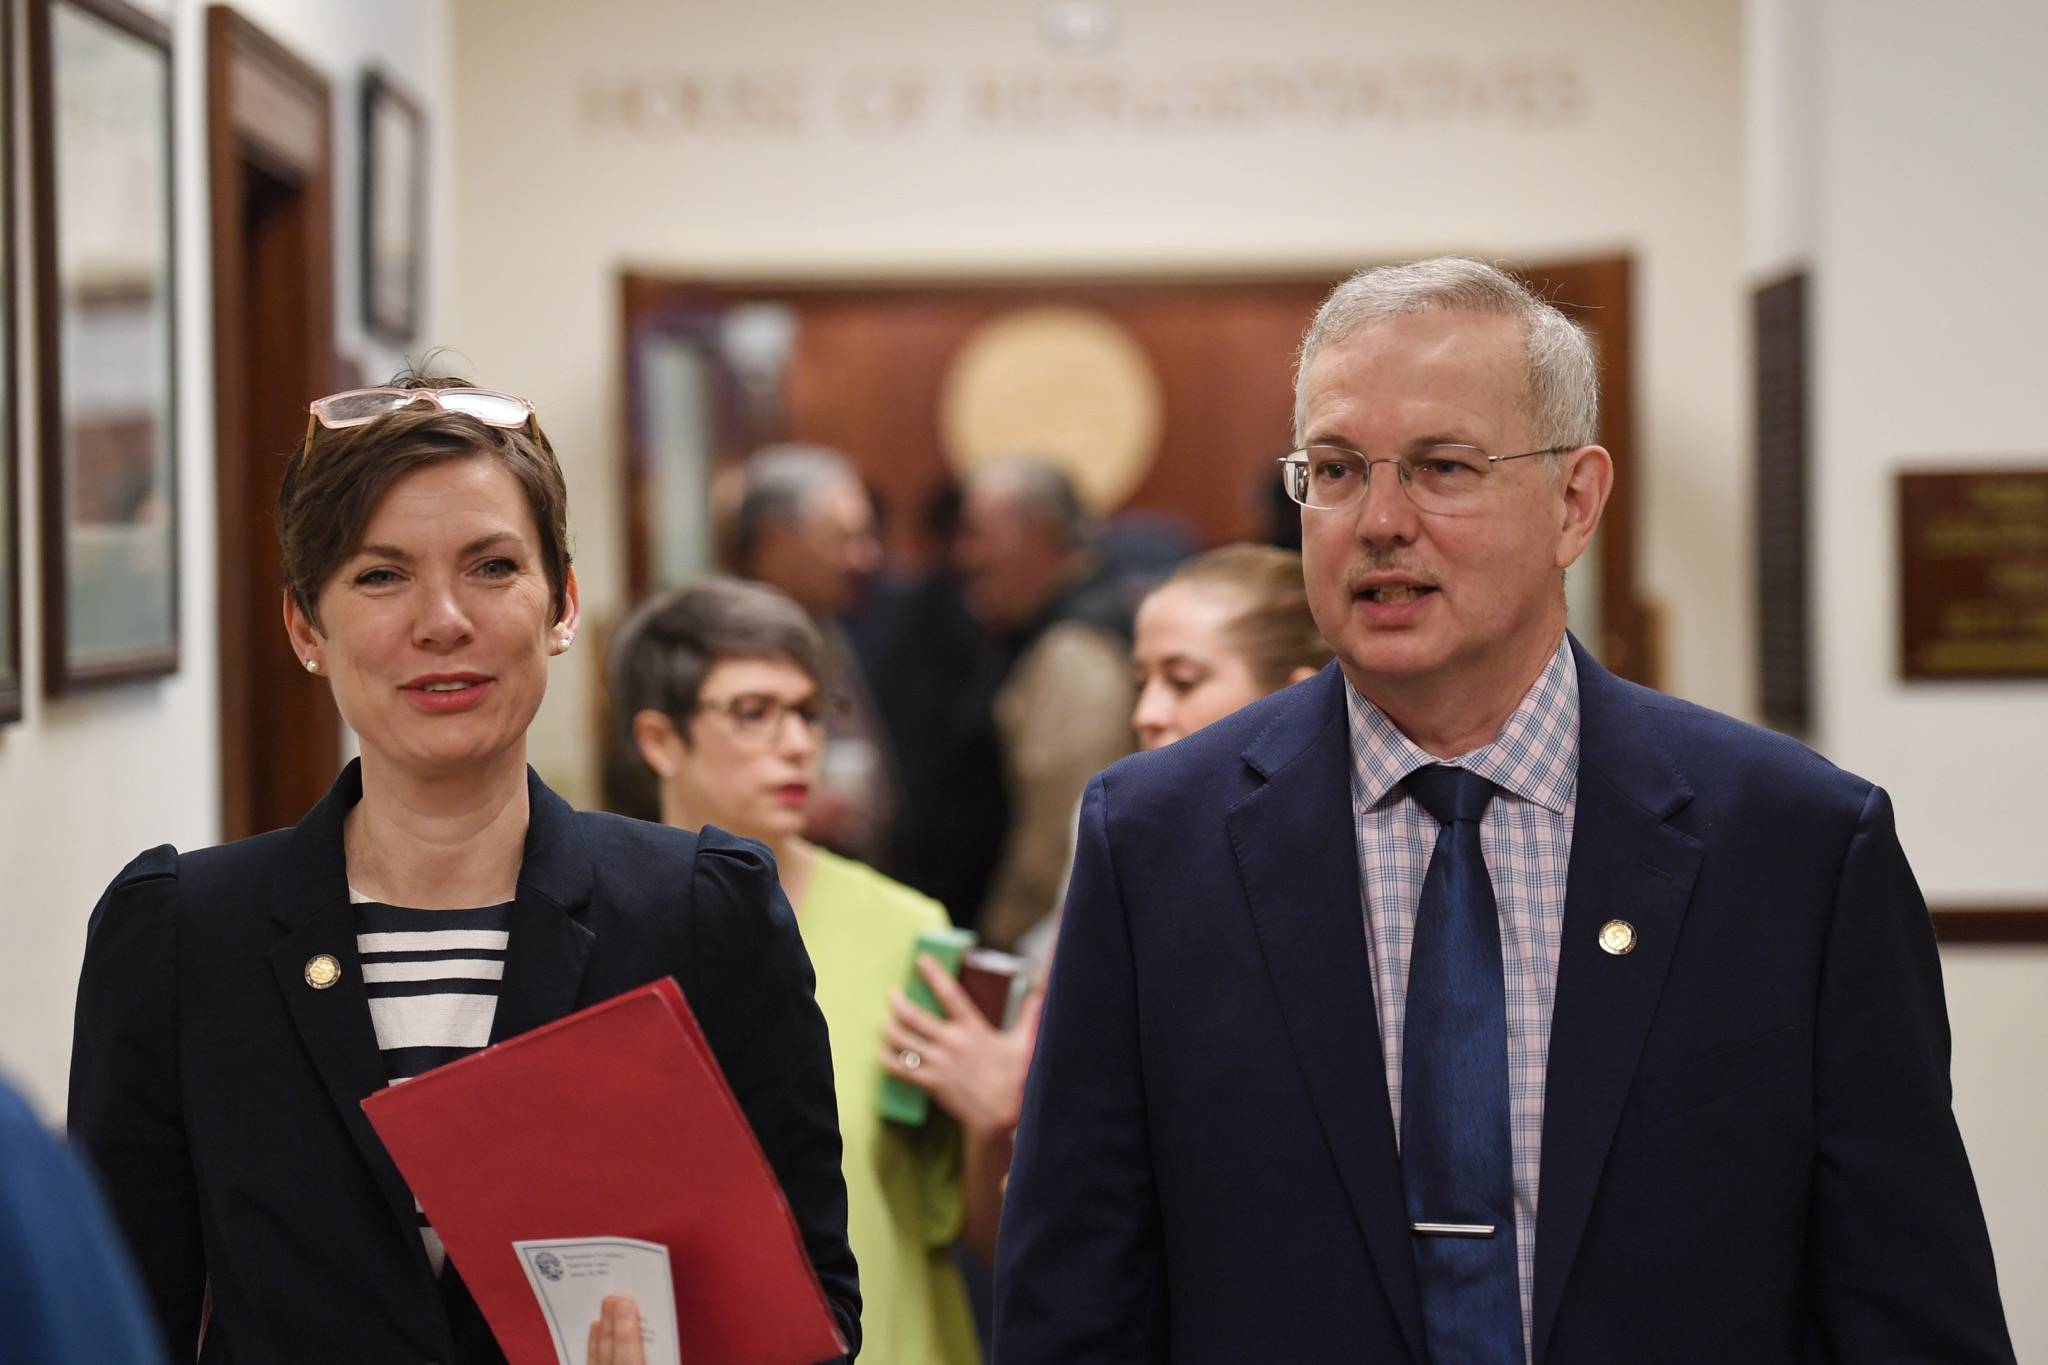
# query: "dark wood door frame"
x,y
1599,294
270,152
1596,291
11,451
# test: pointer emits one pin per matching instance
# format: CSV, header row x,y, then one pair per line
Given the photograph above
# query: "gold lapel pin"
x,y
1617,937
322,971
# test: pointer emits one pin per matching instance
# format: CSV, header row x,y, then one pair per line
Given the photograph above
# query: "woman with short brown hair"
x,y
237,1003
720,692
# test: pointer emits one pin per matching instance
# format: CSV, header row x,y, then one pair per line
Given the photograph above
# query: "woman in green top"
x,y
718,688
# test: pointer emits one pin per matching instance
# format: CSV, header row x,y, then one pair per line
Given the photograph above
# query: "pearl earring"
x,y
567,639
312,665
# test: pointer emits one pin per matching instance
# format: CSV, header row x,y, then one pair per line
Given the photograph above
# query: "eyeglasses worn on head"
x,y
360,407
1444,479
759,716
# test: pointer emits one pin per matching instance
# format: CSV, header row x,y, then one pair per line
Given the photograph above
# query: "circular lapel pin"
x,y
322,971
1617,936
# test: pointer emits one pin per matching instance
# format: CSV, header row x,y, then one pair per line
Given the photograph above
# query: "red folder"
x,y
614,1121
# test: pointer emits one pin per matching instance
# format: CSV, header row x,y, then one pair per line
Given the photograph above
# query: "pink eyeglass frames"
x,y
359,407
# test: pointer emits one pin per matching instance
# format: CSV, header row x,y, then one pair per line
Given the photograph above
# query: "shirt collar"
x,y
1535,756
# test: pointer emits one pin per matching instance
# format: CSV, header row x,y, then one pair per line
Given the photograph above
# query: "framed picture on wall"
x,y
10,456
394,208
100,113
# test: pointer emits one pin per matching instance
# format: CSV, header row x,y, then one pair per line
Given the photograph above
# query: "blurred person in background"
x,y
237,1003
1062,636
1225,629
914,632
722,688
804,524
68,1295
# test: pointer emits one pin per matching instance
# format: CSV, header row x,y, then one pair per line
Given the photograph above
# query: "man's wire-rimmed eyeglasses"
x,y
1444,479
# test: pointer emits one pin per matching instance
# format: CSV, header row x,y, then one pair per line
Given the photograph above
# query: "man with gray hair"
x,y
1466,1003
805,525
1063,707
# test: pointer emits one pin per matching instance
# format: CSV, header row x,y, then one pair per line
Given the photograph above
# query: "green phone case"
x,y
903,1102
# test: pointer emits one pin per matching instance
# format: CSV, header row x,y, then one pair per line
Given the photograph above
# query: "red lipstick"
x,y
442,693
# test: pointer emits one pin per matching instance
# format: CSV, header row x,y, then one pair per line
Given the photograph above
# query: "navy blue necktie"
x,y
1455,1156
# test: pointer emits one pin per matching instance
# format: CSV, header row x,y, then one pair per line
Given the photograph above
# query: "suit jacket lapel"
x,y
545,958
1627,863
334,1021
1297,856
549,947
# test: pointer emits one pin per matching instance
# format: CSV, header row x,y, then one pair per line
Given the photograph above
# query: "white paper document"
x,y
571,1276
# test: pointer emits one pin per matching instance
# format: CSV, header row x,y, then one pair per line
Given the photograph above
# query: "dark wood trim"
x,y
269,120
633,480
42,254
1628,641
652,283
123,15
1780,316
378,88
11,685
60,674
1990,923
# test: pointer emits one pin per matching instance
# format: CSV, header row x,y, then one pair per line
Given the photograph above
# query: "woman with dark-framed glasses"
x,y
238,1002
718,690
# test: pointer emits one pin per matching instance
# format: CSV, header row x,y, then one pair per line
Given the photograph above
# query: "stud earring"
x,y
567,639
312,665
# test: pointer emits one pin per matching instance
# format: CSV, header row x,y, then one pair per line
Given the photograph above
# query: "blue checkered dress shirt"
x,y
1526,837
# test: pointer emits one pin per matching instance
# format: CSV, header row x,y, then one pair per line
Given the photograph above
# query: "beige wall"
x,y
1995,1017
1279,134
1930,290
1893,150
87,782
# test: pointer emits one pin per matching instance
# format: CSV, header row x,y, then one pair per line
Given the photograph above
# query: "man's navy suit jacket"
x,y
1748,1150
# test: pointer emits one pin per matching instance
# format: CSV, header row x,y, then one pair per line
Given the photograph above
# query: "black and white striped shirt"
x,y
432,977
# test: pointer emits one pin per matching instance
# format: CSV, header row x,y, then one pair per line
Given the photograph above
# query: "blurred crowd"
x,y
913,743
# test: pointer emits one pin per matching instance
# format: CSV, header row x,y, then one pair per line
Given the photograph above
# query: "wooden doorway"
x,y
270,170
715,368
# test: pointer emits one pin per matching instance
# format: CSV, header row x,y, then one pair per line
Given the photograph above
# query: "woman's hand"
x,y
615,1336
976,1073
973,1069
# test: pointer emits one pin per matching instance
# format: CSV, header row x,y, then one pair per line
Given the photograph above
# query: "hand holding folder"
x,y
613,1129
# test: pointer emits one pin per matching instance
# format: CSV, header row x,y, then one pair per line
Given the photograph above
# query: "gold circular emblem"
x,y
1618,936
1059,383
322,971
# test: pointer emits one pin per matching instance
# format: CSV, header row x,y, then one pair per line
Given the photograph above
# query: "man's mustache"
x,y
1360,570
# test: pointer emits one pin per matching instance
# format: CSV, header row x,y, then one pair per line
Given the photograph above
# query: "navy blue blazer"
x,y
219,1095
1748,1151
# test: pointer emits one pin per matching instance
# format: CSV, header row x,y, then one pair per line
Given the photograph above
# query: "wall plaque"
x,y
1973,573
